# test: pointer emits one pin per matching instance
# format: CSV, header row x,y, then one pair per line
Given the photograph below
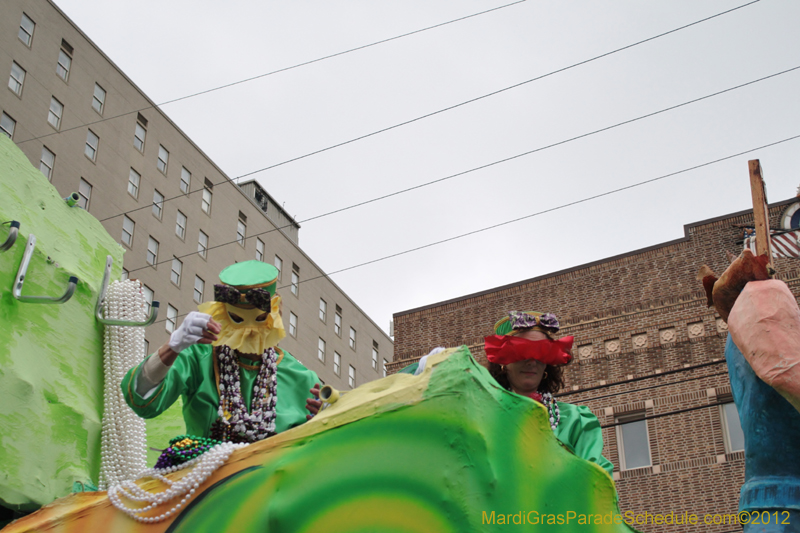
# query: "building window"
x,y
732,427
152,251
633,442
337,321
139,136
295,280
180,226
64,63
26,30
128,226
186,180
133,183
384,367
323,309
172,318
148,299
158,204
241,232
199,289
98,98
352,338
47,163
177,270
16,79
55,113
337,363
374,356
85,194
351,377
321,350
205,204
292,324
92,141
163,159
202,244
259,250
279,266
7,125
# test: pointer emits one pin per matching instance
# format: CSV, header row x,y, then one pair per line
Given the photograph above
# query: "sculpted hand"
x,y
196,328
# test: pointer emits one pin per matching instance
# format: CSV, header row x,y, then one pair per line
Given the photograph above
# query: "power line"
x,y
421,117
562,206
451,176
284,69
520,84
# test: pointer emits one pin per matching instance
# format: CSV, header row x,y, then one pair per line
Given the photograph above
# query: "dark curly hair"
x,y
552,382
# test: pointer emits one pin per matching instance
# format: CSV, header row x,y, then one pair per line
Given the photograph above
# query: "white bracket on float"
x,y
98,309
23,270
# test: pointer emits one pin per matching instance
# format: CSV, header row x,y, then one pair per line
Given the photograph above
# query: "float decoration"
x,y
446,451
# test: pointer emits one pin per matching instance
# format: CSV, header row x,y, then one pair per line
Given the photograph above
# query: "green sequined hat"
x,y
251,274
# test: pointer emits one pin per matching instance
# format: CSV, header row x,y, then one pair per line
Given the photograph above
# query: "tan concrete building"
x,y
648,361
180,219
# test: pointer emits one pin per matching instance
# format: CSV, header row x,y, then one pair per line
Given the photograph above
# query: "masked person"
x,y
525,358
236,384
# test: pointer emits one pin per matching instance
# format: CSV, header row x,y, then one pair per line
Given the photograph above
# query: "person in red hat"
x,y
526,359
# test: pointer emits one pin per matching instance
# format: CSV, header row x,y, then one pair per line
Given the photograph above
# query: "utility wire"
x,y
562,206
284,69
383,130
451,176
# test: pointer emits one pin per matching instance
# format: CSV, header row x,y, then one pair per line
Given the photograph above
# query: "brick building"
x,y
649,361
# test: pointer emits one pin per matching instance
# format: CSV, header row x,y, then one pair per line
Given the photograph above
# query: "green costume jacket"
x,y
193,378
579,430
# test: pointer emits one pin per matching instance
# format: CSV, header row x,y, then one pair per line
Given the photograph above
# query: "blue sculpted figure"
x,y
771,427
764,322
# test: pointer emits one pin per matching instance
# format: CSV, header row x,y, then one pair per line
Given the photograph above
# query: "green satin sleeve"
x,y
183,378
580,430
294,384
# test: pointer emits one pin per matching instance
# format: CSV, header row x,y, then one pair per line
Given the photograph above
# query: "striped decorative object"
x,y
784,244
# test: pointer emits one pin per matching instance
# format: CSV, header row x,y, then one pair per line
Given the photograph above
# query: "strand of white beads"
x,y
184,488
123,438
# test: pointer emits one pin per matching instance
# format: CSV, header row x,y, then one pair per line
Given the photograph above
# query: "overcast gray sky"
x,y
174,48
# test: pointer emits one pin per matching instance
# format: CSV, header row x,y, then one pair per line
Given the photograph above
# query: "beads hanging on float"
x,y
204,466
123,441
184,448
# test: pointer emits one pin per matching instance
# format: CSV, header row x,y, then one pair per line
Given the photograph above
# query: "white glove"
x,y
190,331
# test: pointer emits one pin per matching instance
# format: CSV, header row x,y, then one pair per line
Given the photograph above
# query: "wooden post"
x,y
760,211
